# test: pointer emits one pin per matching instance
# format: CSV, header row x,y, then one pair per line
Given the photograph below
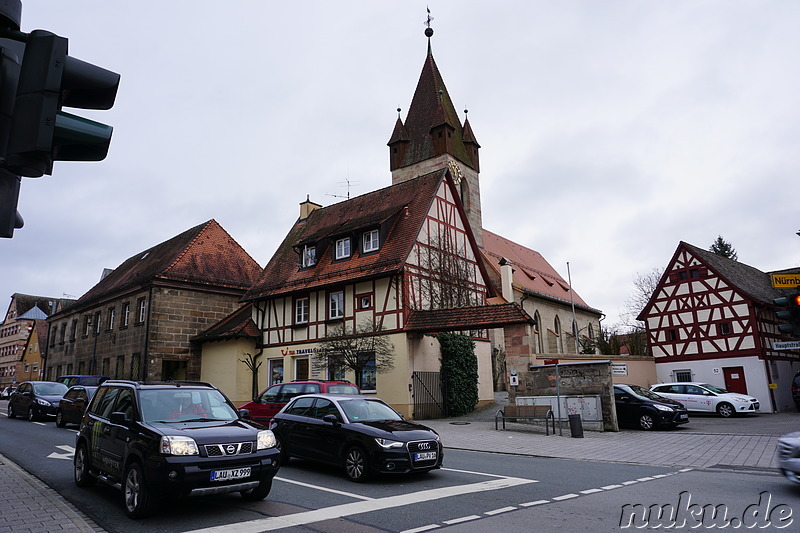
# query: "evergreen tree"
x,y
723,248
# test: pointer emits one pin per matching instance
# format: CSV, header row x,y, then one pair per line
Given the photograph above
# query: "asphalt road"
x,y
474,492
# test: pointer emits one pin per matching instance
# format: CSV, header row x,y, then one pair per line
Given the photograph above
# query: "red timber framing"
x,y
696,313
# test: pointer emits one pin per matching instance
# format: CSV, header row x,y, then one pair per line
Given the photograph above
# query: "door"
x,y
627,408
266,405
699,399
734,379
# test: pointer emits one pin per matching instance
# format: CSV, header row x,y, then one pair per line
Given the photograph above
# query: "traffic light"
x,y
37,79
791,315
41,132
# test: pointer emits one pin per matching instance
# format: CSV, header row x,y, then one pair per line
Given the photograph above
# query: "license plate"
x,y
684,416
426,456
227,475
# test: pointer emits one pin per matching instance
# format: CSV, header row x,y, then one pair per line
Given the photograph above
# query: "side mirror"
x,y
119,418
244,414
331,419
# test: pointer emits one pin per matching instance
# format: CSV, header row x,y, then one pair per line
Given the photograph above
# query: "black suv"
x,y
176,438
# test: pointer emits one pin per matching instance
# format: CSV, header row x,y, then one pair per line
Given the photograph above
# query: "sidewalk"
x,y
705,442
28,505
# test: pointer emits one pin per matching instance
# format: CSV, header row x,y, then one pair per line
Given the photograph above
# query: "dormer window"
x,y
343,248
371,241
309,256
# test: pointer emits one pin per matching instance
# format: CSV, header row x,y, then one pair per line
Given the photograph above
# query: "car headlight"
x,y
386,443
43,402
737,399
265,439
663,407
178,446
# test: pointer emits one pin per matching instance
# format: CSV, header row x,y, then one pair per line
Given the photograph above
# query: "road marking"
x,y
482,474
69,455
645,479
421,529
501,510
338,511
565,497
531,504
629,482
40,423
462,519
591,491
609,487
326,489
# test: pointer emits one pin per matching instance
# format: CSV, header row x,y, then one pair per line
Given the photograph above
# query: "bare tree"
x,y
644,285
447,276
355,349
251,362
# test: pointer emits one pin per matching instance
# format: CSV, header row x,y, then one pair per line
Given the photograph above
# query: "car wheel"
x,y
258,493
725,410
356,464
284,458
646,421
11,413
82,466
31,415
60,419
139,501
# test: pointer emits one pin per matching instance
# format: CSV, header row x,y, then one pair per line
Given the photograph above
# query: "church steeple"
x,y
432,137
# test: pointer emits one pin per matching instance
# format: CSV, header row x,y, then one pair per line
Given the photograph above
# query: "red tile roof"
x,y
204,255
464,318
238,324
399,210
532,272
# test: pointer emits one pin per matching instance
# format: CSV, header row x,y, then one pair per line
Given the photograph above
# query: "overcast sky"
x,y
610,131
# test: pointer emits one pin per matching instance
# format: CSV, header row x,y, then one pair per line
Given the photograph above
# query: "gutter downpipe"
x,y
572,302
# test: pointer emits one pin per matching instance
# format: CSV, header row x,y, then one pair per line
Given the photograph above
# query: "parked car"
x,y
72,406
179,438
789,456
647,410
796,390
705,398
81,379
274,398
361,434
5,394
35,399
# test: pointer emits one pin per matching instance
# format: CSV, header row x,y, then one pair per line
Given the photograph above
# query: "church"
x,y
403,263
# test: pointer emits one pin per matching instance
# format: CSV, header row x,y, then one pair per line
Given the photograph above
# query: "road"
x,y
475,491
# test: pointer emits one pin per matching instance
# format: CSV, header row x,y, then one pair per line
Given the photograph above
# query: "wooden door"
x,y
734,379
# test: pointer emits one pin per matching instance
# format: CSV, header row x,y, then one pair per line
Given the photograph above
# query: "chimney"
x,y
307,207
506,277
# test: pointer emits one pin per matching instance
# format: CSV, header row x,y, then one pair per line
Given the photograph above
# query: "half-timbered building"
x,y
712,319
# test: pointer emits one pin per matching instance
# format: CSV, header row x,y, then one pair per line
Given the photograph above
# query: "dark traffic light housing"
x,y
791,314
37,79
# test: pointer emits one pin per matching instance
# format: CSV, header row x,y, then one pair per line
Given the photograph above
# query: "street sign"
x,y
619,369
785,281
786,345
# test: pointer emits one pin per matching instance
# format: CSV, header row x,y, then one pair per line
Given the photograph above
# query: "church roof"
x,y
532,272
431,106
203,255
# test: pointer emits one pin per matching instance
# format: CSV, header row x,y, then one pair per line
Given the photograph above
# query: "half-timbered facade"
x,y
373,262
711,319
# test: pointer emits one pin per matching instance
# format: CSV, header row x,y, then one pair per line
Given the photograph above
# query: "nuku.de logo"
x,y
694,516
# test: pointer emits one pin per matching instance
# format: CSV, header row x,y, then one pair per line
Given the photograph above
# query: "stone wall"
x,y
573,379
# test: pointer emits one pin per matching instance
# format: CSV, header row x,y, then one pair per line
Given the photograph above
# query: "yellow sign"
x,y
773,385
785,281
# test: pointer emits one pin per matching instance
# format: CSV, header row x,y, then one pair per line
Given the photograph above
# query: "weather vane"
x,y
429,18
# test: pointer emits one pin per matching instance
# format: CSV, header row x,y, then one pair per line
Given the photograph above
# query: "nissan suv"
x,y
177,438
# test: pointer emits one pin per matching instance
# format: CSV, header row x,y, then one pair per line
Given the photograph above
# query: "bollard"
x,y
575,426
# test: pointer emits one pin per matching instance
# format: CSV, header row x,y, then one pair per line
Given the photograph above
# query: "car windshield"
x,y
341,388
361,410
50,389
184,404
712,388
640,391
